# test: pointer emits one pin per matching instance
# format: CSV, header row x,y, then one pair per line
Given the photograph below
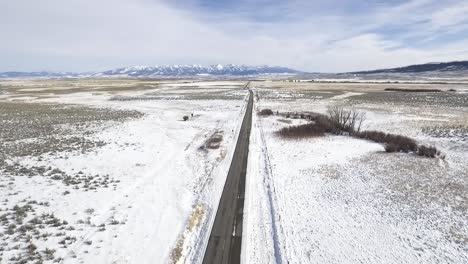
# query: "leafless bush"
x,y
265,112
403,144
390,148
346,120
320,125
430,152
375,136
393,143
302,131
340,121
324,122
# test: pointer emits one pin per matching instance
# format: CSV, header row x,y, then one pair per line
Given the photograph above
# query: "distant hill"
x,y
41,74
453,66
163,71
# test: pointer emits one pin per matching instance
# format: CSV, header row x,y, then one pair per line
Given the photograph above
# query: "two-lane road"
x,y
224,245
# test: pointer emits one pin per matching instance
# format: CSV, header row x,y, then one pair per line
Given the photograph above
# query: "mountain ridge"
x,y
233,70
163,71
452,66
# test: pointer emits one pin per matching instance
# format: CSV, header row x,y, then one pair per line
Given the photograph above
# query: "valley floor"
x,y
108,171
138,187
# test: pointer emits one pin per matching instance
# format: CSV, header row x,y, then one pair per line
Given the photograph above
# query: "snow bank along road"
x,y
224,245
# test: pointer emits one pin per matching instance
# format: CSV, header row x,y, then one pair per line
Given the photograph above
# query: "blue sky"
x,y
319,36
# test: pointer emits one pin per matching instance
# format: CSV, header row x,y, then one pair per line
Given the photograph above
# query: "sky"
x,y
308,35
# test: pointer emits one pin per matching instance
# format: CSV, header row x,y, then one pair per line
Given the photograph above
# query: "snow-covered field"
x,y
107,171
115,181
337,199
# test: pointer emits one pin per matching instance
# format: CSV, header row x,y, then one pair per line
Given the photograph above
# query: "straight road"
x,y
224,245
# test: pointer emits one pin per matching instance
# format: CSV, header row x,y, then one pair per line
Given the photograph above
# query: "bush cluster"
x,y
266,112
349,122
302,131
318,127
430,152
393,143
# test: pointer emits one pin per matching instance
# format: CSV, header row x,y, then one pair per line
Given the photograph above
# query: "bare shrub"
x,y
265,112
318,127
302,131
114,222
375,136
49,254
324,122
390,148
430,152
340,121
346,120
397,143
403,144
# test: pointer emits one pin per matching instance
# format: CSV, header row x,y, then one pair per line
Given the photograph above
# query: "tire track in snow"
x,y
279,250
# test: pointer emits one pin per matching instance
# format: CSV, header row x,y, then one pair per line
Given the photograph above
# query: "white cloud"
x,y
450,16
85,35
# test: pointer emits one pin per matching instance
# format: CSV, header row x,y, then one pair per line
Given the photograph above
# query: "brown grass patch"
x,y
194,221
176,252
214,141
196,217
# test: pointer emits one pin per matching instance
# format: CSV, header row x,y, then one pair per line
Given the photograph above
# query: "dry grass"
x,y
196,217
195,220
176,252
214,141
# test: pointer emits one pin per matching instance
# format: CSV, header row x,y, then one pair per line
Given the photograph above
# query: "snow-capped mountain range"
x,y
164,71
191,70
428,69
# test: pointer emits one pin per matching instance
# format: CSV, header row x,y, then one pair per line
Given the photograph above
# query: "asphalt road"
x,y
224,245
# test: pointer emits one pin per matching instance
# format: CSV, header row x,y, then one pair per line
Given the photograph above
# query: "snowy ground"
x,y
106,171
337,199
113,174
